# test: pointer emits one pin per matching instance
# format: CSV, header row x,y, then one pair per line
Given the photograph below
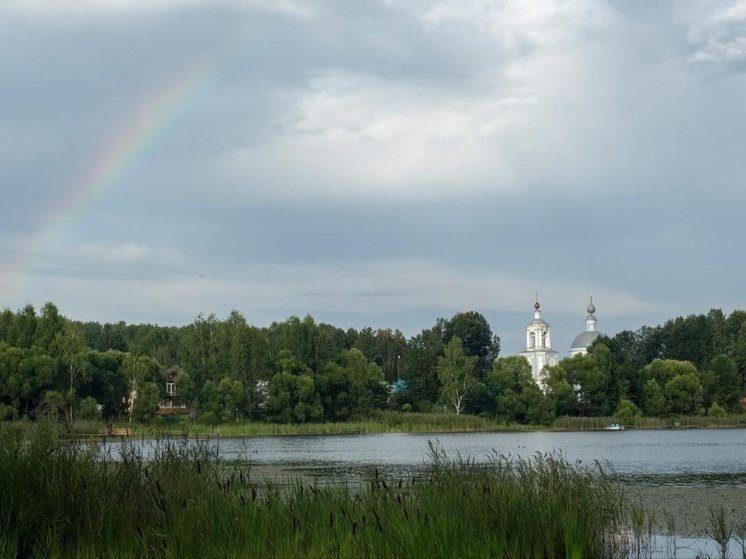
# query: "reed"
x,y
383,421
566,423
62,498
721,530
380,421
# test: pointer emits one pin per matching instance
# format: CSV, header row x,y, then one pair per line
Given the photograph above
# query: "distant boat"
x,y
615,427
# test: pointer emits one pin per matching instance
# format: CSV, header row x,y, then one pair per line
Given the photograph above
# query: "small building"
x,y
539,350
583,341
172,404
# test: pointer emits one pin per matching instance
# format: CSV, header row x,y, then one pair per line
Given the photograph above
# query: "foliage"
x,y
227,369
654,401
476,337
716,410
146,402
561,392
684,394
89,408
456,375
518,398
224,399
721,381
627,411
541,507
292,393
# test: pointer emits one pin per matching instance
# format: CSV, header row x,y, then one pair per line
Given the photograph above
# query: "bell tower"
x,y
539,350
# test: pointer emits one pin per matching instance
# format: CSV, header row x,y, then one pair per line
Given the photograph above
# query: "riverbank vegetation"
x,y
59,499
385,421
216,374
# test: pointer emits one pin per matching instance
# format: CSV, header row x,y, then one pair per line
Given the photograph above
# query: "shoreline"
x,y
684,510
232,432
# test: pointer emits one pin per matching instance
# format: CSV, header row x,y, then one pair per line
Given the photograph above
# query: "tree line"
x,y
299,370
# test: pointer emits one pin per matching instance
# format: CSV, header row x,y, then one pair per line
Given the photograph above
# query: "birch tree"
x,y
456,375
71,348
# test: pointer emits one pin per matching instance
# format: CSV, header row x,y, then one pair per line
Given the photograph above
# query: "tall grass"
x,y
566,423
63,499
383,421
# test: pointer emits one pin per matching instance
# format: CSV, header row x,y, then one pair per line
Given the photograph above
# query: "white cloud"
x,y
359,135
63,11
362,288
717,30
513,24
538,109
124,252
534,124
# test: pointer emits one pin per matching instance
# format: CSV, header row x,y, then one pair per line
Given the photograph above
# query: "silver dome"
x,y
584,339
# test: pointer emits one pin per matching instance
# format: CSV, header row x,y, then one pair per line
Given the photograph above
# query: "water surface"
x,y
718,455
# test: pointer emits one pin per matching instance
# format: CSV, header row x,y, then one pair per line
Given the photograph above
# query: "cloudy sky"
x,y
374,163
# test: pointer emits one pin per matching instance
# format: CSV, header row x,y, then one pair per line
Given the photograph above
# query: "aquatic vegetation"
x,y
721,530
61,498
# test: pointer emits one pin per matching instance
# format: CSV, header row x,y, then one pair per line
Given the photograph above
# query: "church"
x,y
539,352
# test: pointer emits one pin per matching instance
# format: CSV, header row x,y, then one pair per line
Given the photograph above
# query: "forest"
x,y
297,371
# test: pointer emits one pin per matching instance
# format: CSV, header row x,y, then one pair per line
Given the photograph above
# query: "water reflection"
x,y
712,457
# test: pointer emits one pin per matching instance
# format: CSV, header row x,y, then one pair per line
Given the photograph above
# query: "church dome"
x,y
584,339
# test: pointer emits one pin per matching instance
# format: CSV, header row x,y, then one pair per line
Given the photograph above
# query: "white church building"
x,y
583,341
539,352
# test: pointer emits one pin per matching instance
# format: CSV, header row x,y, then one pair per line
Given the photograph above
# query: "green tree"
x,y
53,404
70,346
738,347
654,401
23,330
476,337
292,392
589,377
25,374
333,385
49,324
626,410
721,382
419,366
715,410
146,401
297,336
456,375
539,408
6,325
224,399
561,392
663,370
201,349
368,389
512,373
109,380
518,398
89,408
683,394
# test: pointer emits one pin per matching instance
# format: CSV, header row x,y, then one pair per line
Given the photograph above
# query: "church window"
x,y
532,340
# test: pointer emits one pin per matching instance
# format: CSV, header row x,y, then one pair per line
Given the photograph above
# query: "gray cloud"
x,y
376,163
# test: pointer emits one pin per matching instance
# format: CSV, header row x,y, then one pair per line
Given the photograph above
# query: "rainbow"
x,y
144,127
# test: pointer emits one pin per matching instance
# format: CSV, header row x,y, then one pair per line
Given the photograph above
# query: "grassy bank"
x,y
59,499
380,422
385,421
678,422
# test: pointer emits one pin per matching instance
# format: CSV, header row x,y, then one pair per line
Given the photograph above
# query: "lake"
x,y
709,454
709,457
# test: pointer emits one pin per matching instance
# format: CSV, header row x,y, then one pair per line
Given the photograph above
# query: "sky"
x,y
374,163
